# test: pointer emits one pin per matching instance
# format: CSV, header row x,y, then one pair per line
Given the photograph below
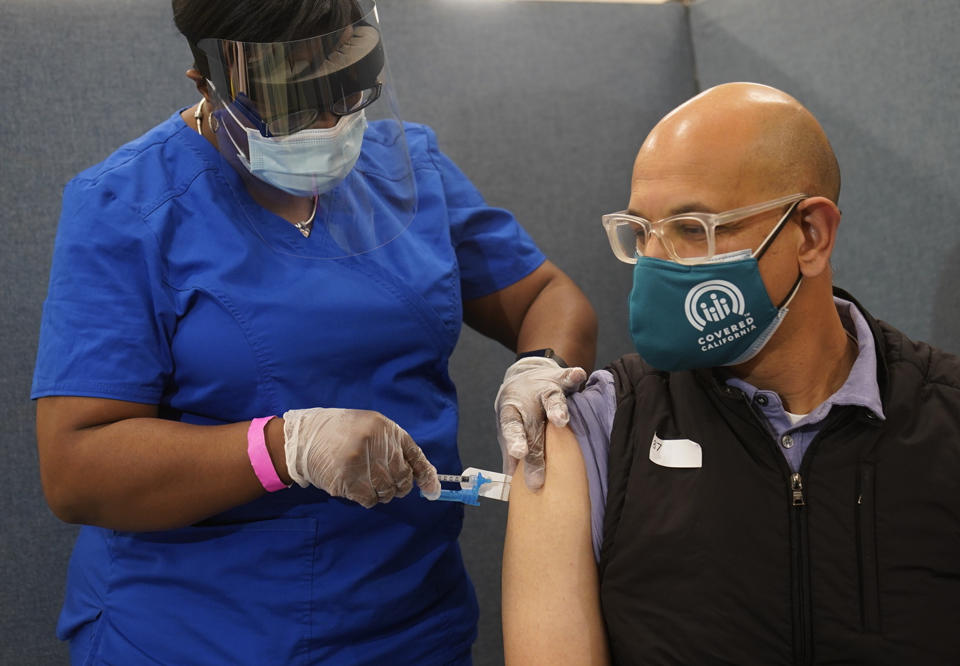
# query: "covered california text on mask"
x,y
271,97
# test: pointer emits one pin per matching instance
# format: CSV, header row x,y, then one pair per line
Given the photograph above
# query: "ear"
x,y
819,219
201,83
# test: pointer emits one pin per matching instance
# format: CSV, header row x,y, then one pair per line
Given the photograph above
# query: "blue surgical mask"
x,y
309,162
702,316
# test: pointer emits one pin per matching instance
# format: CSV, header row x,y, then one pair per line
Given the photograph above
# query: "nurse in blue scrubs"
x,y
242,368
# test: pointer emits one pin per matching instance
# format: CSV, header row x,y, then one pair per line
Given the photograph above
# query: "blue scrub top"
x,y
168,288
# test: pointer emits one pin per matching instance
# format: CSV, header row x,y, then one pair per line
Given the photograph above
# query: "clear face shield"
x,y
317,117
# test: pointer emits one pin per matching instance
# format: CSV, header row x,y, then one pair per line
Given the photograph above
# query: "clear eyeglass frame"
x,y
622,229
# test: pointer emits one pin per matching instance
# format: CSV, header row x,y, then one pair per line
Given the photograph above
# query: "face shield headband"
x,y
283,87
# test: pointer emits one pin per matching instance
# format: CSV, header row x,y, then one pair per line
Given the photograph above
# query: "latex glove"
x,y
354,453
534,389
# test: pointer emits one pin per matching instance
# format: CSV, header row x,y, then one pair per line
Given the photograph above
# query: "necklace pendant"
x,y
307,225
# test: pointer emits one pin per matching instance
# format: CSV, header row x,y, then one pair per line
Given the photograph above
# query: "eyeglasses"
x,y
688,238
291,122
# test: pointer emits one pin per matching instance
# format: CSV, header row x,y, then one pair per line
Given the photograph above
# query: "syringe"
x,y
475,483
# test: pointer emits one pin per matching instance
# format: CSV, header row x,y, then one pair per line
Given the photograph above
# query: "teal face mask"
x,y
702,316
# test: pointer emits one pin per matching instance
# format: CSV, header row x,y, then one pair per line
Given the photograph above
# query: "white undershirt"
x,y
794,418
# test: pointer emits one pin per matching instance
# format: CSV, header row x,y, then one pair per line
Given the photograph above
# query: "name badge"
x,y
677,453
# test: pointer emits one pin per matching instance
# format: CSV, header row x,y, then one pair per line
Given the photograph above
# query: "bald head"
x,y
748,140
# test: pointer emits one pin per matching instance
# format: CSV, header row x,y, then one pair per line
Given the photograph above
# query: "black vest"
x,y
856,560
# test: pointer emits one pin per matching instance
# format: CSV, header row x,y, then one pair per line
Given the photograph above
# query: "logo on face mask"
x,y
712,301
718,307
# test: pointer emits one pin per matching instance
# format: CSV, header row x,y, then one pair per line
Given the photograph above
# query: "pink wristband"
x,y
260,457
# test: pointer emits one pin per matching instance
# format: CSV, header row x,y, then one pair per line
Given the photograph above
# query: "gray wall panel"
x,y
881,75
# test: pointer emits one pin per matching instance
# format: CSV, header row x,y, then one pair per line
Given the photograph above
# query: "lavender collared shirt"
x,y
592,411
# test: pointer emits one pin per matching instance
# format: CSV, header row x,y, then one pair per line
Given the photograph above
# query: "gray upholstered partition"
x,y
883,77
544,106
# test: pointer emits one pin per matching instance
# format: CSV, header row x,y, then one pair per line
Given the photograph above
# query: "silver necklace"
x,y
304,227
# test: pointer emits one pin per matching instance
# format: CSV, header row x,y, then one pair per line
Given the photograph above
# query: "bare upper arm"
x,y
61,419
64,413
559,513
551,607
500,314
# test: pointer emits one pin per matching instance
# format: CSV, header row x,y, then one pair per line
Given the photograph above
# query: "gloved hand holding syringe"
x,y
474,483
365,457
